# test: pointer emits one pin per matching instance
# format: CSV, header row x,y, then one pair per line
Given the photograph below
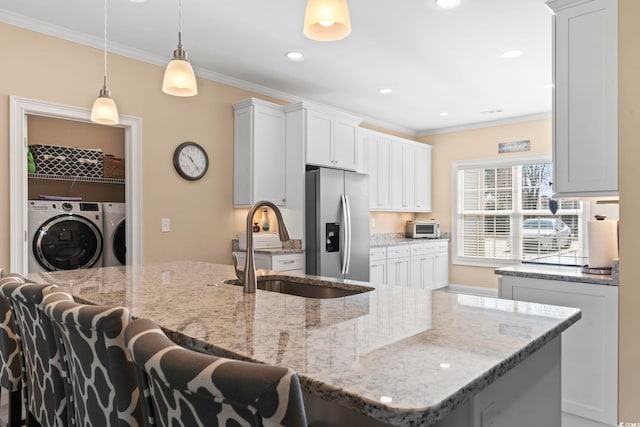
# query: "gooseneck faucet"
x,y
249,280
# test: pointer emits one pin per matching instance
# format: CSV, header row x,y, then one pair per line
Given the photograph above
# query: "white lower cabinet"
x,y
589,348
291,263
378,266
398,259
418,265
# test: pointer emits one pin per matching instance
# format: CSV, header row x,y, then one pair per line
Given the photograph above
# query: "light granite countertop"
x,y
403,241
559,272
425,352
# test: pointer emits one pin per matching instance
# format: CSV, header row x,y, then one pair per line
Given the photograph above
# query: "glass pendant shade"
x,y
104,109
179,79
327,20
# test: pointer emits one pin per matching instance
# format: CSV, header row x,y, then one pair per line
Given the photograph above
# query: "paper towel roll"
x,y
603,243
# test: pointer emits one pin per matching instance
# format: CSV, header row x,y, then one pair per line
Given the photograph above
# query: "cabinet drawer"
x,y
377,254
287,262
398,251
422,249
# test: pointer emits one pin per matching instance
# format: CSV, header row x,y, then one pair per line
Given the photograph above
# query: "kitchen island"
x,y
390,356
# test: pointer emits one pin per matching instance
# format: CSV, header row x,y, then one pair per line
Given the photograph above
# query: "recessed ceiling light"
x,y
445,365
444,113
548,86
496,111
137,1
294,56
448,4
513,53
385,90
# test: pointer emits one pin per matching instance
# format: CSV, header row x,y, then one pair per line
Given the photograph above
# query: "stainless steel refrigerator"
x,y
337,224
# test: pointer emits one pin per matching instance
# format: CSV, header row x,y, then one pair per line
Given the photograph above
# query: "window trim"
x,y
456,190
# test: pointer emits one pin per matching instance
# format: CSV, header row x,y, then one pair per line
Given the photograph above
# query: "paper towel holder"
x,y
604,271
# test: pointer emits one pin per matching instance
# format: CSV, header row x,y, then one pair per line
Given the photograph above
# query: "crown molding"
x,y
479,125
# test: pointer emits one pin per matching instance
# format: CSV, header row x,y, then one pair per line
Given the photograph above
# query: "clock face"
x,y
190,161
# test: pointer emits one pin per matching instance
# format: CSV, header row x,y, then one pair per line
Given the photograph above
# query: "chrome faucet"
x,y
249,276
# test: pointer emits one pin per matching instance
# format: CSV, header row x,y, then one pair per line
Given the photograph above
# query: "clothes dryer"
x,y
115,240
64,235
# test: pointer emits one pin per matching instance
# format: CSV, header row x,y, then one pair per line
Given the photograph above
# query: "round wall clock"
x,y
190,160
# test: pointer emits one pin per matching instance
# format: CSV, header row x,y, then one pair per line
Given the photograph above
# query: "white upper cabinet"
x,y
422,178
331,137
258,153
585,105
378,165
399,173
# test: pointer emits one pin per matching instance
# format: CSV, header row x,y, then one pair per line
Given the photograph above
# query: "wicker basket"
x,y
113,167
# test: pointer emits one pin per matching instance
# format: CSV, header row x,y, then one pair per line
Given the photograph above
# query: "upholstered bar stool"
x,y
11,369
103,377
190,388
44,367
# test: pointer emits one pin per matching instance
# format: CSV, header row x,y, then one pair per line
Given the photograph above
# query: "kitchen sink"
x,y
302,289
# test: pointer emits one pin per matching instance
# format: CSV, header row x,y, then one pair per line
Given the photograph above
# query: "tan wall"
x,y
202,219
629,145
472,145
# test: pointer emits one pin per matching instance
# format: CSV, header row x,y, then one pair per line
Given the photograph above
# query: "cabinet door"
x,y
585,144
417,271
398,271
345,148
408,177
378,272
269,155
589,347
397,176
319,133
378,169
423,179
440,270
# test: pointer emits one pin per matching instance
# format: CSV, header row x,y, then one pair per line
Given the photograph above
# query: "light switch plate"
x,y
166,225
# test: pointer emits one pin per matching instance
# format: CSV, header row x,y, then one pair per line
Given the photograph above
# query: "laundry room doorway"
x,y
110,169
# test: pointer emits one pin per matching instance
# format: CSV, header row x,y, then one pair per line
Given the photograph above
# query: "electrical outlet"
x,y
166,225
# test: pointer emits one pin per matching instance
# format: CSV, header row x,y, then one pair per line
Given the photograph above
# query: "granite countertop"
x,y
559,272
402,241
293,246
390,342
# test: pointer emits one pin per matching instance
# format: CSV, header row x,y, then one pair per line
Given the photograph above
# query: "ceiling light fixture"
x,y
444,113
327,20
294,56
104,110
448,4
513,53
179,79
385,90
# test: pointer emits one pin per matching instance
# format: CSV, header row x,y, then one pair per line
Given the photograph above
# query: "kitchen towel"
x,y
603,243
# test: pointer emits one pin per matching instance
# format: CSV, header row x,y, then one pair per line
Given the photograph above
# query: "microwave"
x,y
422,229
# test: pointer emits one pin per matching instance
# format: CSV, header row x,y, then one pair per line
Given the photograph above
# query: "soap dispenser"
x,y
265,220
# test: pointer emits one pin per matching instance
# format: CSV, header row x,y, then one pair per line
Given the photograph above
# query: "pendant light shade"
x,y
327,20
179,78
104,110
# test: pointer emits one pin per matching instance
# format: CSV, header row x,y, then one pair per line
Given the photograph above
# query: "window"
x,y
503,212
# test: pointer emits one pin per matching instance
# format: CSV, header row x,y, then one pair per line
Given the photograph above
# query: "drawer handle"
x,y
291,261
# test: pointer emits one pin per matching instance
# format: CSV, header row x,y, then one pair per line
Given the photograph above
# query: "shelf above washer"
x,y
75,178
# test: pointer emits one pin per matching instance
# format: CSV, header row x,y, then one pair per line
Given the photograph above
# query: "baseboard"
x,y
472,290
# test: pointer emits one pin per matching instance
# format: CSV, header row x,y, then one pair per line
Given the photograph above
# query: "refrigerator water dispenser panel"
x,y
333,237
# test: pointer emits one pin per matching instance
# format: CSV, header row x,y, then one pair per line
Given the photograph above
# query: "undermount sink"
x,y
301,289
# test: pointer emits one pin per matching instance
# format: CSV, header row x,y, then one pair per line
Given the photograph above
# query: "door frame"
x,y
19,109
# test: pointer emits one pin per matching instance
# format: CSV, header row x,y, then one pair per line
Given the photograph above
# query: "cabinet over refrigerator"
x,y
337,224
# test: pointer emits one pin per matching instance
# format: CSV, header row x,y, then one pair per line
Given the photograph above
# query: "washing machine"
x,y
64,235
115,240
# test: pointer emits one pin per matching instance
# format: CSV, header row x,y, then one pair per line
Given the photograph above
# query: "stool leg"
x,y
15,408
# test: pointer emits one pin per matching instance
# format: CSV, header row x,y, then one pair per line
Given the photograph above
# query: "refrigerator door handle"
x,y
348,234
345,221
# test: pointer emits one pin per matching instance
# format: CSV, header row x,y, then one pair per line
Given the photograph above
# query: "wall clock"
x,y
190,160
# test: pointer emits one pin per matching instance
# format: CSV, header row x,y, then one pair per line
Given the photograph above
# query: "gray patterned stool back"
x,y
193,389
45,373
103,376
11,369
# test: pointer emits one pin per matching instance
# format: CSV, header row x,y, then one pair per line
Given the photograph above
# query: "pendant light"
x,y
104,110
179,79
327,20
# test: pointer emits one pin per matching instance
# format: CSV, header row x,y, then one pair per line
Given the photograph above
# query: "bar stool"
x,y
44,368
11,369
191,388
103,377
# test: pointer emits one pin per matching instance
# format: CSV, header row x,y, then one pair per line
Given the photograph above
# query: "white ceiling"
x,y
435,60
